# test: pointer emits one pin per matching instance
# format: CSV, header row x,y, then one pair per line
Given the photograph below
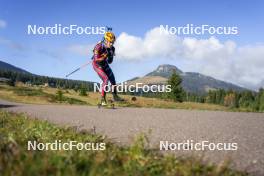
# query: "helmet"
x,y
109,36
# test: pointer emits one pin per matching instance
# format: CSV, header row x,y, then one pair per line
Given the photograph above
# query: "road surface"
x,y
173,125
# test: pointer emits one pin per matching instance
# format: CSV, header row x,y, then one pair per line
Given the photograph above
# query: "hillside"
x,y
17,74
6,66
191,81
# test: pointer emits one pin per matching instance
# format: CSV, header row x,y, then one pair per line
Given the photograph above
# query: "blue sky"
x,y
50,55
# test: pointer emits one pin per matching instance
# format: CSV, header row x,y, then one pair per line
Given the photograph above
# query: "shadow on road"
x,y
7,106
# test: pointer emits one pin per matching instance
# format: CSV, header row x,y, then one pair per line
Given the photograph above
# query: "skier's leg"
x,y
104,78
112,80
111,77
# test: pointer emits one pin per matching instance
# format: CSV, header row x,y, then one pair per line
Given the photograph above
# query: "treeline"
x,y
246,100
32,79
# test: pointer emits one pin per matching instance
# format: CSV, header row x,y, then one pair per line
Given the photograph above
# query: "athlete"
x,y
104,52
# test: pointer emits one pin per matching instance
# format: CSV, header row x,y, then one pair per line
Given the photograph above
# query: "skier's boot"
x,y
103,101
117,98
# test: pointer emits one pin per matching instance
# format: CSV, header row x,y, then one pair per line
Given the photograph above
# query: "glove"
x,y
110,54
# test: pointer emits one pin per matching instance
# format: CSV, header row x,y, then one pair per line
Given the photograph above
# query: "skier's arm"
x,y
97,54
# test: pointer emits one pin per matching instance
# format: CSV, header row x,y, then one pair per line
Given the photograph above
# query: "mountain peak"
x,y
168,68
191,81
165,70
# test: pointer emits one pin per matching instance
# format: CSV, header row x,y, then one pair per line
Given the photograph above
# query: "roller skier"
x,y
103,55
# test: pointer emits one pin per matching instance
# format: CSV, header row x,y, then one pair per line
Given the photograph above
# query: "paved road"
x,y
122,124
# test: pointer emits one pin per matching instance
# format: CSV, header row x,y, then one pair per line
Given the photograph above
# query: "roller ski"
x,y
117,98
103,104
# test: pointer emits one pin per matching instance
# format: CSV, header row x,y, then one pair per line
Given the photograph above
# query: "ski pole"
x,y
84,65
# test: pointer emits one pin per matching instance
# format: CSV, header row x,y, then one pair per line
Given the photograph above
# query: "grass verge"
x,y
47,95
17,129
36,95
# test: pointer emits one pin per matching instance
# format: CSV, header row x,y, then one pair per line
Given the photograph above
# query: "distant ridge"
x,y
6,66
191,81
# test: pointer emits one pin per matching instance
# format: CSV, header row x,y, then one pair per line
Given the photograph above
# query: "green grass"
x,y
36,95
24,91
17,129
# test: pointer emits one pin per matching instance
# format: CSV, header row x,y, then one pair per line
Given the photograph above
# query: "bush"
x,y
230,100
11,82
61,98
83,91
59,95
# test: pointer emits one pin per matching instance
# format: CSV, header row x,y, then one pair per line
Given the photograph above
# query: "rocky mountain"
x,y
191,81
164,71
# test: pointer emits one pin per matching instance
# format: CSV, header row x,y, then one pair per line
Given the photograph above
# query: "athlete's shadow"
x,y
7,106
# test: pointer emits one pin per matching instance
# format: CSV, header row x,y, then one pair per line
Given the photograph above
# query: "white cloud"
x,y
2,23
153,45
156,44
130,47
222,60
249,65
206,48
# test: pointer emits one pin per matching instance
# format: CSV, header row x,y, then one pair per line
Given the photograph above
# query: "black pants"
x,y
106,74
